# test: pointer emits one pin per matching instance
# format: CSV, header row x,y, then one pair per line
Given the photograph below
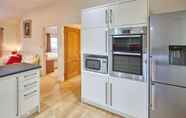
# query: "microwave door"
x,y
94,65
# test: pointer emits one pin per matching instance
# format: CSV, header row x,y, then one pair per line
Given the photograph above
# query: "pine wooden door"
x,y
72,52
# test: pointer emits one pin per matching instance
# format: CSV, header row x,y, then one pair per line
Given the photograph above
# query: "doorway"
x,y
71,52
51,50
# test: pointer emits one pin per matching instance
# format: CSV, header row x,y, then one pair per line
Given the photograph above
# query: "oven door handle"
x,y
126,36
126,53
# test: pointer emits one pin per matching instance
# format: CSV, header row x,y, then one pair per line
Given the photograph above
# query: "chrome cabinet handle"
x,y
106,86
111,16
106,17
30,84
28,94
111,94
17,80
30,75
106,41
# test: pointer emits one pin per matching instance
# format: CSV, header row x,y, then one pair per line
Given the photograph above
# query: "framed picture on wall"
x,y
27,27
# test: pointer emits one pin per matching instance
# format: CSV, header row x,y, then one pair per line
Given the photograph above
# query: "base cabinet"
x,y
118,95
20,94
8,97
94,88
129,97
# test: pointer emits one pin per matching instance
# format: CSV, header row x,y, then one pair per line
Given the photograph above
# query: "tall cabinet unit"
x,y
122,96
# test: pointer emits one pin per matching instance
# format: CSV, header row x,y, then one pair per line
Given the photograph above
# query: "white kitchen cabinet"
x,y
94,17
129,97
29,92
95,41
20,94
130,12
8,97
94,88
163,6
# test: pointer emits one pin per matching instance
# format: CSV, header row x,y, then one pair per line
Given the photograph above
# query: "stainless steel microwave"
x,y
96,63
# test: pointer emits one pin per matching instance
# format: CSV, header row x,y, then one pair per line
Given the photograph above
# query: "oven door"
x,y
126,57
127,43
92,64
128,64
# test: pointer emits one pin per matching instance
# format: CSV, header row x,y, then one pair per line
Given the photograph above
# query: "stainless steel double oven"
x,y
128,52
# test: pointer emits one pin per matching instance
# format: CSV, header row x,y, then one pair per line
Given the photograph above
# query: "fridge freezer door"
x,y
172,74
168,101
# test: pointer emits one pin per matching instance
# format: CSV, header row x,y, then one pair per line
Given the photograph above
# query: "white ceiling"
x,y
12,8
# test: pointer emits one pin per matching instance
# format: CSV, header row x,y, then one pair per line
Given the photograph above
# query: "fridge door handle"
x,y
153,100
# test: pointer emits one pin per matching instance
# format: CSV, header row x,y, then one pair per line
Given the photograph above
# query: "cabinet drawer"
x,y
30,75
29,103
30,83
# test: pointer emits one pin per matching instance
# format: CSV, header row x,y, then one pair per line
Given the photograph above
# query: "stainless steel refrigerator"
x,y
168,65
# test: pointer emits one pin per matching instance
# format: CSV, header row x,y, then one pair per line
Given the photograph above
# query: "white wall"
x,y
60,14
11,35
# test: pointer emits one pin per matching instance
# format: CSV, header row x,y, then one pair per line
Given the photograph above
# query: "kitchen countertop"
x,y
7,70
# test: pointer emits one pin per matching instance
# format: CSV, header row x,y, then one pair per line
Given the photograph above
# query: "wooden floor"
x,y
62,100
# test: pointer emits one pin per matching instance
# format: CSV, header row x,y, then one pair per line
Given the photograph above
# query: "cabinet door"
x,y
96,17
162,6
95,41
129,12
129,97
8,97
94,88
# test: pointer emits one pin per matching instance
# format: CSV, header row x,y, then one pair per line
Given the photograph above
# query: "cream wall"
x,y
61,14
12,37
67,12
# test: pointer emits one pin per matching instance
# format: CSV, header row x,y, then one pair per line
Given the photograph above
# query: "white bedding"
x,y
51,56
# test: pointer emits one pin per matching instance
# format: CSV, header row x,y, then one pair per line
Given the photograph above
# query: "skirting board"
x,y
107,108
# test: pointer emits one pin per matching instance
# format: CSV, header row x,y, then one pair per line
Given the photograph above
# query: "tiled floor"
x,y
62,100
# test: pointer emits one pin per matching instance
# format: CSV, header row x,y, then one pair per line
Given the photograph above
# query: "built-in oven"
x,y
128,50
96,63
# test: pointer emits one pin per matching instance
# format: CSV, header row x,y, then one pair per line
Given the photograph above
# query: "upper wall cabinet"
x,y
95,17
94,41
166,6
128,12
